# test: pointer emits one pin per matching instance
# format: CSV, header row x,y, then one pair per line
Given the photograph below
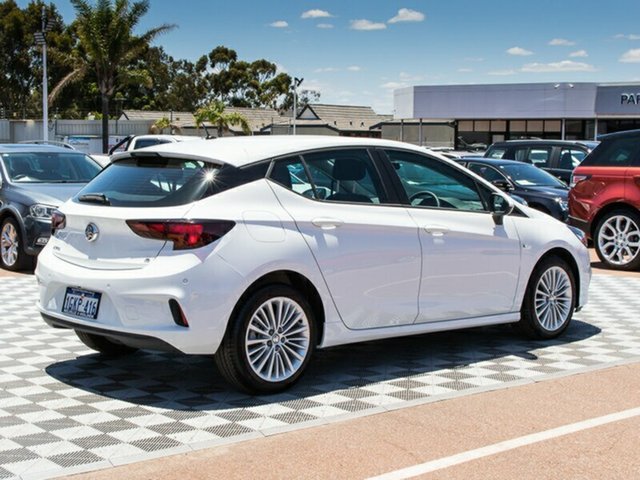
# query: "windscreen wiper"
x,y
100,198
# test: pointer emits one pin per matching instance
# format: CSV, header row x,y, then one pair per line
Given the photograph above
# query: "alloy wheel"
x,y
277,339
619,240
553,298
9,244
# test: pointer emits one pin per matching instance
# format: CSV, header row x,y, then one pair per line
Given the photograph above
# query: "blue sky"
x,y
358,51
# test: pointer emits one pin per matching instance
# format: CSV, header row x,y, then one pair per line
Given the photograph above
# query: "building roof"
x,y
239,151
257,118
346,118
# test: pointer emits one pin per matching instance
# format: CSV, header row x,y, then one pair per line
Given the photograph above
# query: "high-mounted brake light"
x,y
58,221
185,234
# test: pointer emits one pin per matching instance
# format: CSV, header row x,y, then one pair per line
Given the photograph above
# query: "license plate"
x,y
81,303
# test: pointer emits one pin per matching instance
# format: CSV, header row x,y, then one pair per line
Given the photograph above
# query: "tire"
x,y
617,239
276,358
12,254
549,300
104,345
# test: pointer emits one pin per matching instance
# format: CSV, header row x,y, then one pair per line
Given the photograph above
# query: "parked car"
x,y
558,157
207,248
34,181
136,142
605,199
539,189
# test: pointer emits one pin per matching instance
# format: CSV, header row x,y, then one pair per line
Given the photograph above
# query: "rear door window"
x,y
345,176
496,152
539,156
570,158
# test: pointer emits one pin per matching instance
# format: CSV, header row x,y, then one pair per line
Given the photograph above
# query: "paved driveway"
x,y
65,409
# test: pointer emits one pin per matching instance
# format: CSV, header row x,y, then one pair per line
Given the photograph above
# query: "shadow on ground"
x,y
192,383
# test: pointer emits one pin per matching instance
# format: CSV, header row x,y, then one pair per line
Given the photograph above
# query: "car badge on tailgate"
x,y
91,232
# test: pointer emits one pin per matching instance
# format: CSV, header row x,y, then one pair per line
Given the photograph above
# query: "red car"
x,y
604,200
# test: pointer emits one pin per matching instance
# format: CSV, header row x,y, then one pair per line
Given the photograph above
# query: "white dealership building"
x,y
491,113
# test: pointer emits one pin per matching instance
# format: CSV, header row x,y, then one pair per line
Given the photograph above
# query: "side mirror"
x,y
503,185
499,206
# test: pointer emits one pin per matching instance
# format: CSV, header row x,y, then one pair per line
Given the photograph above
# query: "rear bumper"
x,y
134,307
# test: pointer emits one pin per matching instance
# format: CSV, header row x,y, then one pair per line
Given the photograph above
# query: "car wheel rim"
x,y
554,298
9,245
277,339
619,240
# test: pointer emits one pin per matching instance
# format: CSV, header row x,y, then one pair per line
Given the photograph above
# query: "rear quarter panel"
x,y
604,186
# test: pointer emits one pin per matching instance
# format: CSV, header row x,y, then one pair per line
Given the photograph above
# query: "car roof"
x,y
626,133
32,148
537,141
491,161
239,151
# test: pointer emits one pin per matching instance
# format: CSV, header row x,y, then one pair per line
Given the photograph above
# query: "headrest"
x,y
349,169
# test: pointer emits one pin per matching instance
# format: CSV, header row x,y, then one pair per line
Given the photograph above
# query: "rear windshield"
x,y
49,167
162,182
613,152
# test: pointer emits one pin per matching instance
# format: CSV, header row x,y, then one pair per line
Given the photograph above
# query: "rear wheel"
x,y
269,342
103,345
549,301
12,254
617,240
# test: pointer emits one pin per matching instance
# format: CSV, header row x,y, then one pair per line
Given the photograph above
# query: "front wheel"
x,y
617,240
12,254
549,301
269,342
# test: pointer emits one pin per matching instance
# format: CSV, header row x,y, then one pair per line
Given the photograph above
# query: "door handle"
x,y
436,230
326,223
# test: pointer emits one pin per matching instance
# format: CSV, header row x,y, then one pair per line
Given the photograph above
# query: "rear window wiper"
x,y
100,198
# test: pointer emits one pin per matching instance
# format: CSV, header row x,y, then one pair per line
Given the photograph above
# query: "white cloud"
x,y
630,36
465,70
393,85
324,25
408,77
354,68
521,52
316,13
502,72
407,15
563,66
363,24
473,59
631,56
561,42
325,70
279,24
280,68
579,53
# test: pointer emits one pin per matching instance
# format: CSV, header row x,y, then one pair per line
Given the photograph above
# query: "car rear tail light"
x,y
575,179
185,234
58,221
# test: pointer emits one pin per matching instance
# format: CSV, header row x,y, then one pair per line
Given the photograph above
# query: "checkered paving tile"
x,y
63,406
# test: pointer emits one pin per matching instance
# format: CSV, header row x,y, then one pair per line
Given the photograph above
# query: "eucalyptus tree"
x,y
108,47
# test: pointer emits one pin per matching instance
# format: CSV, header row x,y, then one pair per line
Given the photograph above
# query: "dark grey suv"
x,y
558,157
35,180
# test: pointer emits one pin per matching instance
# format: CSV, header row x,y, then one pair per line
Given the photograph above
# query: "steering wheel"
x,y
424,194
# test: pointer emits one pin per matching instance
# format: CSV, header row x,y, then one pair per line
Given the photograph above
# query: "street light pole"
x,y
296,83
42,41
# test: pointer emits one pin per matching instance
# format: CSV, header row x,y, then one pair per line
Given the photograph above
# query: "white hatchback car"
x,y
261,249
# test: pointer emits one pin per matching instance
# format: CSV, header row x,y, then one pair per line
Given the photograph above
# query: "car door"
x,y
470,264
368,251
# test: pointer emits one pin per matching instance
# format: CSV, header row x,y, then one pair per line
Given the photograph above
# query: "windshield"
x,y
525,175
49,167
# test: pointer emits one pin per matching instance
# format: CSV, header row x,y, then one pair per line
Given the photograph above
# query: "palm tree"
x,y
107,45
214,113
